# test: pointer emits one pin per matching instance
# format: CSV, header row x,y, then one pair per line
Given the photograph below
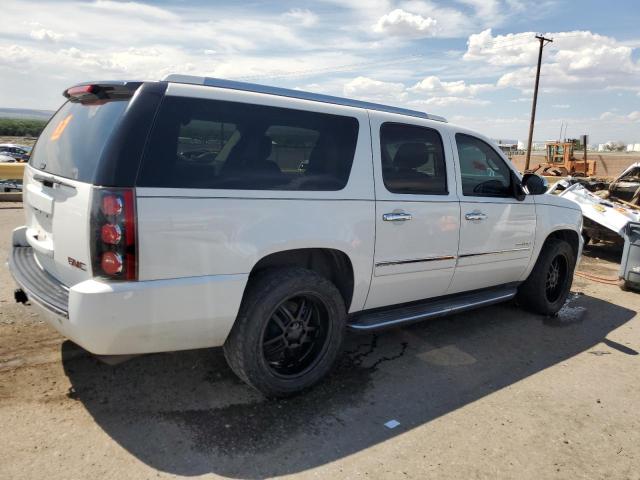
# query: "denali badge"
x,y
77,263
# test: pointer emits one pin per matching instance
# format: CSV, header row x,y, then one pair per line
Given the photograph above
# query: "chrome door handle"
x,y
396,217
475,215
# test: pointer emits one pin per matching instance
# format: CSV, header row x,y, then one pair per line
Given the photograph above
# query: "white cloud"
x,y
331,48
374,90
429,92
510,49
455,22
433,85
402,23
486,9
620,119
561,105
305,18
46,35
133,8
449,101
574,59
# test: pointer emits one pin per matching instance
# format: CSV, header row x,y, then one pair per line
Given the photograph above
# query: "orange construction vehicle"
x,y
561,162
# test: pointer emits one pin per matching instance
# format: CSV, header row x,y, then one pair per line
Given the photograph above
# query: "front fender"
x,y
553,216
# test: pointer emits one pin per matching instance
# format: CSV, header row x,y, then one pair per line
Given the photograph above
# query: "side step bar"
x,y
408,313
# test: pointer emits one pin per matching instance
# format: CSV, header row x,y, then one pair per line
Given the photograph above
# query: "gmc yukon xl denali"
x,y
196,212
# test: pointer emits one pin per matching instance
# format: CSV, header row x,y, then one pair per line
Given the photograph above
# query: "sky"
x,y
472,61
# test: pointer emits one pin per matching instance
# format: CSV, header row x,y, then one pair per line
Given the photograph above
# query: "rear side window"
x,y
72,142
484,173
412,159
200,143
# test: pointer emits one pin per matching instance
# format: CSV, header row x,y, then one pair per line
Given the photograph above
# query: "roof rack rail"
x,y
285,92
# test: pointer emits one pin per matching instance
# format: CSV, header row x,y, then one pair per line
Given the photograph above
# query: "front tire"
x,y
548,285
288,333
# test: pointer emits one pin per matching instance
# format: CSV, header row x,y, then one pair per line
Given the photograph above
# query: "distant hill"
x,y
25,113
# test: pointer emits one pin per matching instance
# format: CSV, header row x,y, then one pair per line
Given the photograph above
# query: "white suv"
x,y
196,212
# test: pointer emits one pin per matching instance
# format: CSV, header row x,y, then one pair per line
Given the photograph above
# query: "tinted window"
x,y
72,142
412,160
226,145
483,171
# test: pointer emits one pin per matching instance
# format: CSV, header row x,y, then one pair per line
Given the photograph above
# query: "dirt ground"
x,y
496,393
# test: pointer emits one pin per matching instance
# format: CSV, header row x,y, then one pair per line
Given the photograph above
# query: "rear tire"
x,y
548,285
288,333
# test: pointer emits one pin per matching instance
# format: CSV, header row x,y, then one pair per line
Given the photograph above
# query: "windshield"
x,y
72,142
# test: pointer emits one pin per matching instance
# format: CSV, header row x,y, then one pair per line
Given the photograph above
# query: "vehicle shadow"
x,y
186,413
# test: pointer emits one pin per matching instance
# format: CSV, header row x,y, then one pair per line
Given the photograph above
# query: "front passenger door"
x,y
497,230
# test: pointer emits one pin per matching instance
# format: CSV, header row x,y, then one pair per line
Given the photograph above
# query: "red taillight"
x,y
111,263
111,234
112,205
114,234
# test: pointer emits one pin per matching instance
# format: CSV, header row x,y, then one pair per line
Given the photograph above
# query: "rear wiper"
x,y
50,181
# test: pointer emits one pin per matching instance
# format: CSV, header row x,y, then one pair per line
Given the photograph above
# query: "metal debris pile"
x,y
607,208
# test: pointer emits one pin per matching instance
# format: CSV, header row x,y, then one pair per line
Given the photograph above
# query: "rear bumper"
x,y
121,318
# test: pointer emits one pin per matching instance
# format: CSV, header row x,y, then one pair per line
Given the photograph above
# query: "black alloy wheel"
x,y
556,278
295,337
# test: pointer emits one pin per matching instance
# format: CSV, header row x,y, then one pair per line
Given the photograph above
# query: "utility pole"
x,y
585,138
543,42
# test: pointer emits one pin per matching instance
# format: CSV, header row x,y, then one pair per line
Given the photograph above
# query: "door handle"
x,y
396,217
475,215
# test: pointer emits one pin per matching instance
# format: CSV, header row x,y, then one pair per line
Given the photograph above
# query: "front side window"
x,y
412,160
200,143
484,173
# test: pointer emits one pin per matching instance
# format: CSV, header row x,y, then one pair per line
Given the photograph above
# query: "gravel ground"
x,y
496,393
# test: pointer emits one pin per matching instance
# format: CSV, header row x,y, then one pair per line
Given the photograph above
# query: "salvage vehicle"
x,y
132,247
10,186
20,153
607,207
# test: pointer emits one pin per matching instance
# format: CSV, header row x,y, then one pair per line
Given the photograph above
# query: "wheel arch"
x,y
561,232
570,236
333,264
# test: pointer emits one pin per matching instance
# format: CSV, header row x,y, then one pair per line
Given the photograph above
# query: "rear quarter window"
x,y
213,144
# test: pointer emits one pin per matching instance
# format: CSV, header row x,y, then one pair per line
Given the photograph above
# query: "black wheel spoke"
x,y
301,309
278,321
556,278
286,313
295,335
279,338
307,316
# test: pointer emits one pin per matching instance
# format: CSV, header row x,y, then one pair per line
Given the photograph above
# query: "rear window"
x,y
226,145
72,142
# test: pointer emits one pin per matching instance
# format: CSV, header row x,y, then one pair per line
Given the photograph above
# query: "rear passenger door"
x,y
417,210
497,230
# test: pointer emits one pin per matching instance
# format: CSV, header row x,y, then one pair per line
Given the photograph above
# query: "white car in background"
x,y
18,152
